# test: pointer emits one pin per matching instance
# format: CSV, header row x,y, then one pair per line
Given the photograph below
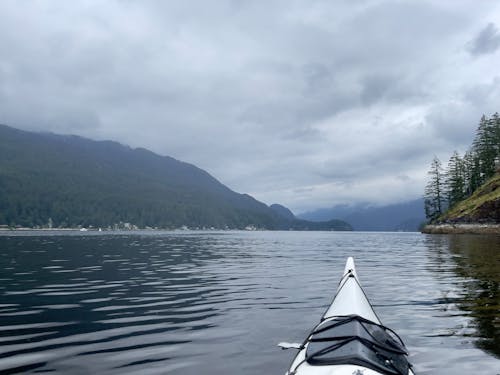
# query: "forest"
x,y
464,174
56,181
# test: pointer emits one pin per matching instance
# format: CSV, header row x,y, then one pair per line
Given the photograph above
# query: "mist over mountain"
x,y
406,216
72,181
282,211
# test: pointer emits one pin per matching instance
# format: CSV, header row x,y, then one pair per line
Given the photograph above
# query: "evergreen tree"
x,y
486,147
455,180
464,176
495,130
434,191
472,174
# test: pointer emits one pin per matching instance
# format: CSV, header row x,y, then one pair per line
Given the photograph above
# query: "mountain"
x,y
407,216
299,224
73,181
282,211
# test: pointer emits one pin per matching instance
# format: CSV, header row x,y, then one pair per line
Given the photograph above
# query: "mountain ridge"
x,y
75,181
404,216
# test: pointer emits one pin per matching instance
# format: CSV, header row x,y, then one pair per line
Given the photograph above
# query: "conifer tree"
x,y
495,126
464,176
455,180
471,172
486,148
434,191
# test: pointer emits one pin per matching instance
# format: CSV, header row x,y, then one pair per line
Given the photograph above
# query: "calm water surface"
x,y
218,303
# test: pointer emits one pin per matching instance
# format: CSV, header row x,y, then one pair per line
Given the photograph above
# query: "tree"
x,y
486,146
495,130
472,174
434,191
464,176
455,180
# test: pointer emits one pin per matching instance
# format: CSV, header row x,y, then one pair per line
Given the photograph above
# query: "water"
x,y
218,303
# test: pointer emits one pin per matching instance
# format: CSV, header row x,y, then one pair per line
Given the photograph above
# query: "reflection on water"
x,y
217,303
477,260
468,269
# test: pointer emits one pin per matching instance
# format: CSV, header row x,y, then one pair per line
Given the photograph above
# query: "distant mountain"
x,y
71,181
301,224
333,224
282,211
407,216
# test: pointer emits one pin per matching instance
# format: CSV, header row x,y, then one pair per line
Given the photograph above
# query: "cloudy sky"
x,y
307,103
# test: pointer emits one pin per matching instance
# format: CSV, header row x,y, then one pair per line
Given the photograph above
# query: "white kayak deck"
x,y
350,299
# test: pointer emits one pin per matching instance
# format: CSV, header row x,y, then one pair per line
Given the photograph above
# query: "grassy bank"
x,y
478,214
481,207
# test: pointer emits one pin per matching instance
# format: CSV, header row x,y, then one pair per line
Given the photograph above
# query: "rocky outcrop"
x,y
462,229
480,213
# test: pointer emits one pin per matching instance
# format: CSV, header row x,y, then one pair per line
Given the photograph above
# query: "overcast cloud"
x,y
306,103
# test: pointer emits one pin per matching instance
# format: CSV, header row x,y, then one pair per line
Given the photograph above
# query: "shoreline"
x,y
458,228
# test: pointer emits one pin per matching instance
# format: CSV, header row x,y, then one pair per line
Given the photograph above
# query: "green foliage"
x,y
472,176
455,180
433,199
486,146
482,206
78,182
464,175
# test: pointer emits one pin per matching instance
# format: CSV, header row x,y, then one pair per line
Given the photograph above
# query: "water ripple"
x,y
216,303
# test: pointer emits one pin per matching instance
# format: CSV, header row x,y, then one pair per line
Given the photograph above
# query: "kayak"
x,y
350,339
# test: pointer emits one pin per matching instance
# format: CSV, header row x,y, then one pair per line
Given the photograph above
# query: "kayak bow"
x,y
350,339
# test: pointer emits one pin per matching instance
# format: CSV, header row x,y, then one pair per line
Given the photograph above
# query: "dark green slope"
x,y
282,211
483,206
76,181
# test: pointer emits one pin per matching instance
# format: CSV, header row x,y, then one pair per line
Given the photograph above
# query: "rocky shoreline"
x,y
492,228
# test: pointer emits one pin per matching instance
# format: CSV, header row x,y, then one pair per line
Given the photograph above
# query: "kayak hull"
x,y
307,369
350,300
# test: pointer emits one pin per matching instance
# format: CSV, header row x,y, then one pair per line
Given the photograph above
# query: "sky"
x,y
307,103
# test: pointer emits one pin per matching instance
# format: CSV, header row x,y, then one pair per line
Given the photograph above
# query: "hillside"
x,y
406,216
480,213
73,181
466,189
282,211
481,207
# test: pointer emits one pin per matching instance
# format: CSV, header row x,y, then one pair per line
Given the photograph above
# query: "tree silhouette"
x,y
434,191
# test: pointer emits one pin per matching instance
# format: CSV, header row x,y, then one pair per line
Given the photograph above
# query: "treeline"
x,y
49,180
457,181
72,181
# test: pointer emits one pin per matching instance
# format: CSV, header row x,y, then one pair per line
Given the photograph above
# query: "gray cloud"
x,y
305,103
487,41
375,88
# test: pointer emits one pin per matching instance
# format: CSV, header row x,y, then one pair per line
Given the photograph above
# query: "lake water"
x,y
219,302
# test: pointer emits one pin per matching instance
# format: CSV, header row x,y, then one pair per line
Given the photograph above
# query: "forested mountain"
x,y
282,211
406,216
450,186
72,181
